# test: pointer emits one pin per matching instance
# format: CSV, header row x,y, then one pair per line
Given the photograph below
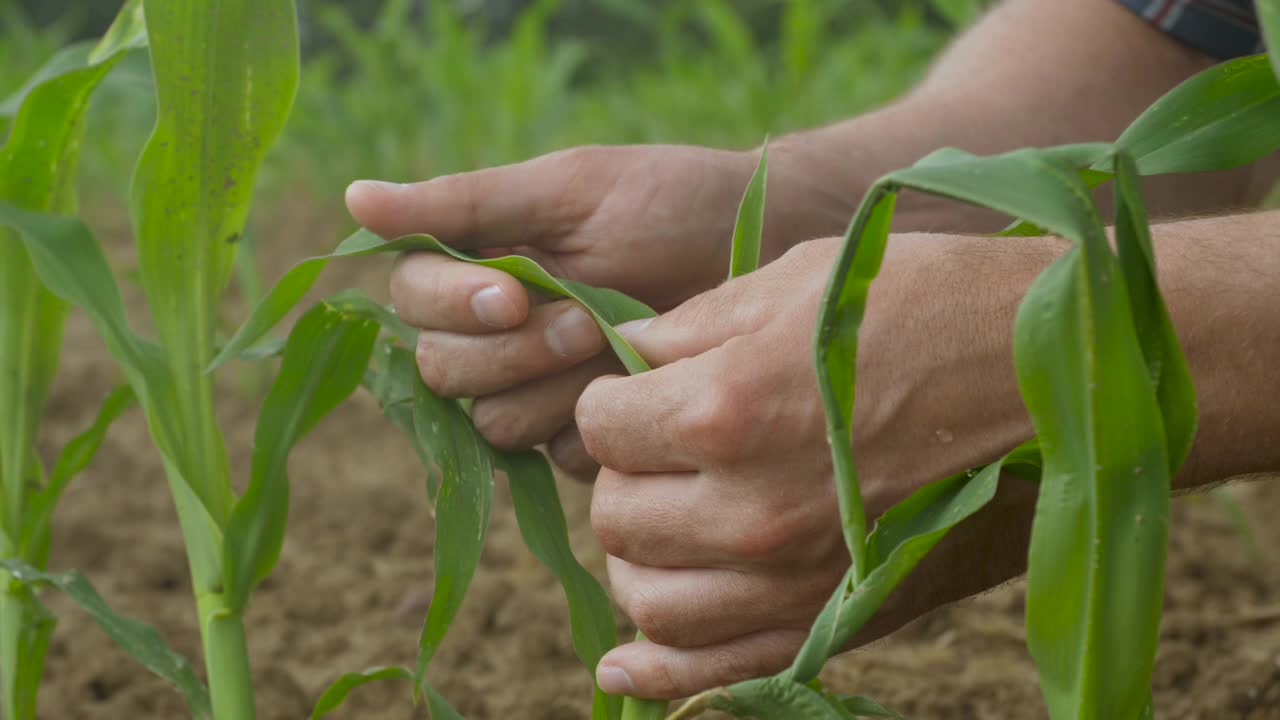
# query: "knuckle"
x,y
767,533
589,414
433,370
500,425
572,457
605,525
652,615
711,424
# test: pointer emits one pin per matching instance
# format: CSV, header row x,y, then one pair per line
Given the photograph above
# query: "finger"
x,y
688,607
685,520
556,336
648,670
435,292
703,322
569,454
495,207
533,413
683,416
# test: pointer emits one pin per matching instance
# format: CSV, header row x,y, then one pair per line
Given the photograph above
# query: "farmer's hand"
x,y
654,222
716,503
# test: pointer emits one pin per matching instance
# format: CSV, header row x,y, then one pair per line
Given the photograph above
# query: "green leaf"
x,y
392,385
1269,17
776,698
324,361
542,524
1166,364
836,348
139,640
608,307
356,303
437,706
73,459
1092,178
463,465
1096,564
337,692
225,77
903,536
37,173
1223,117
749,227
127,31
866,707
72,266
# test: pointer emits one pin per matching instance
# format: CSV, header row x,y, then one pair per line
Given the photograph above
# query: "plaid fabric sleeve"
x,y
1220,28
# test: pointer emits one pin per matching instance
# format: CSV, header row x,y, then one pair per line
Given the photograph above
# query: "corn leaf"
x,y
225,76
437,707
542,523
1166,364
1269,17
71,265
392,385
608,307
1075,330
903,536
866,707
73,459
776,698
356,303
1223,117
139,640
324,361
462,464
749,227
337,692
37,172
1097,548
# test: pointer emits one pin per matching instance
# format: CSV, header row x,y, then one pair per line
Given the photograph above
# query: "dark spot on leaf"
x,y
233,238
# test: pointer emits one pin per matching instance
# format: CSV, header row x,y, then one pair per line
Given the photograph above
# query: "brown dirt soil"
x,y
349,591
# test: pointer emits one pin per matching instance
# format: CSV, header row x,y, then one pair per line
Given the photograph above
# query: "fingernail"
x,y
573,333
380,185
634,327
614,680
493,308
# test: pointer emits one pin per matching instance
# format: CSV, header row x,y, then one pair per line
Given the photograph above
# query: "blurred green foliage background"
x,y
409,89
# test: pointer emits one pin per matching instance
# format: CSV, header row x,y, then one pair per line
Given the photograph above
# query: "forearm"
x,y
1031,73
1219,277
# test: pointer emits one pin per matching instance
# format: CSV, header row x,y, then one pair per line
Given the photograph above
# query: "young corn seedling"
x,y
225,76
461,463
37,171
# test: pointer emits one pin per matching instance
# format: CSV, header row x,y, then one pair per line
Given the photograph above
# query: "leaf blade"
x,y
324,361
540,517
748,229
139,640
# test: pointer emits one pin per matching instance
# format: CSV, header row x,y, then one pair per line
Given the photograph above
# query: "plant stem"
x,y
226,658
641,709
10,638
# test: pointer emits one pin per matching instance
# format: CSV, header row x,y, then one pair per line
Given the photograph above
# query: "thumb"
x,y
502,206
701,323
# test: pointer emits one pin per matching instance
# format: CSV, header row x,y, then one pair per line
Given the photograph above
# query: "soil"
x,y
349,591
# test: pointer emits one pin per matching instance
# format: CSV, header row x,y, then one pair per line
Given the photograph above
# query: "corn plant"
x,y
225,78
37,172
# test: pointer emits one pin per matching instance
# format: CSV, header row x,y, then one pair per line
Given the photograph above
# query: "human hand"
x,y
716,502
654,222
